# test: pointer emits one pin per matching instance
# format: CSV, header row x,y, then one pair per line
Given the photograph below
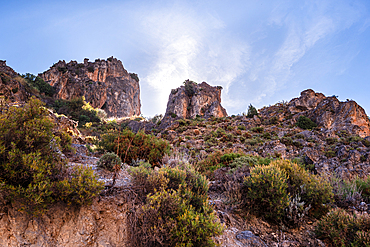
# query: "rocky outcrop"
x,y
307,101
330,113
194,99
12,86
105,84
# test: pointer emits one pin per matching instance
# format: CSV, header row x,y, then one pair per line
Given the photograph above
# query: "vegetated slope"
x,y
327,137
105,84
274,175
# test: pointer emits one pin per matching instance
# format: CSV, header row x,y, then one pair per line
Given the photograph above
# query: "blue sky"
x,y
261,52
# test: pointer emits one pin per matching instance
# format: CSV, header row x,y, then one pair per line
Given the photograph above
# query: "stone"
x,y
249,239
193,100
105,84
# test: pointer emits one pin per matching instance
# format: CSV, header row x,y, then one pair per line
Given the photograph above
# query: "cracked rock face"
x,y
105,84
193,99
330,113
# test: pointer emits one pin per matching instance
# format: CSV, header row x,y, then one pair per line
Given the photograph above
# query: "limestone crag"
x,y
307,101
12,86
330,113
105,84
193,99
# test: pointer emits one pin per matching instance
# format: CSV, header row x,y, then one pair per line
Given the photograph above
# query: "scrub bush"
x,y
272,190
175,210
133,146
305,123
110,162
38,83
266,191
32,171
339,228
78,110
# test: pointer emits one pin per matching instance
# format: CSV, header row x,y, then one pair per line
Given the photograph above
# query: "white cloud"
x,y
188,46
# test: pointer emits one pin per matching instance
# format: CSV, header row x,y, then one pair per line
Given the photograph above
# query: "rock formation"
x,y
105,84
193,99
330,113
12,86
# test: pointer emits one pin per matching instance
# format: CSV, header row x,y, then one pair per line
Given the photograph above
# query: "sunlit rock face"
x,y
193,99
105,84
330,113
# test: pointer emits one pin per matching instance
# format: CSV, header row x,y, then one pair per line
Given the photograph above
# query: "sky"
x,y
261,52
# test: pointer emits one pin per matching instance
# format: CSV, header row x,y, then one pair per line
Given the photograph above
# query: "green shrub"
x,y
31,168
65,141
266,135
135,77
241,127
313,190
175,209
173,115
287,141
110,162
257,129
219,133
79,110
215,161
266,191
331,140
267,188
330,154
339,228
38,83
363,185
243,161
130,146
252,111
305,123
189,88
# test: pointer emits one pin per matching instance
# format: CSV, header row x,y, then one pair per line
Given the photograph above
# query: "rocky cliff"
x,y
194,99
105,84
12,86
330,113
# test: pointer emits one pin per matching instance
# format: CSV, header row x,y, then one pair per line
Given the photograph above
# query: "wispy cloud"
x,y
300,29
191,46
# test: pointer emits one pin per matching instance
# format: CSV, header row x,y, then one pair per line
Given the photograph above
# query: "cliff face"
x,y
11,87
193,99
330,113
105,84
